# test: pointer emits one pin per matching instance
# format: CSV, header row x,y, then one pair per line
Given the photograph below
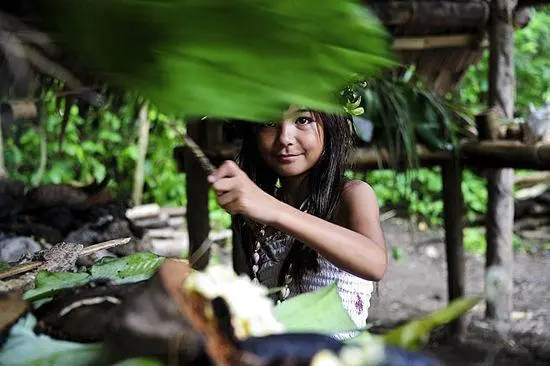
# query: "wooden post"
x,y
139,175
500,210
453,214
198,224
2,163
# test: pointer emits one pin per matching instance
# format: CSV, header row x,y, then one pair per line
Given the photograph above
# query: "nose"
x,y
287,134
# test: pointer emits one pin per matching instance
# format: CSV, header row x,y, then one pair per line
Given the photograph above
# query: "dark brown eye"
x,y
302,121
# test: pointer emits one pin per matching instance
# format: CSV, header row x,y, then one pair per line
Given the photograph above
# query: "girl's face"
x,y
291,147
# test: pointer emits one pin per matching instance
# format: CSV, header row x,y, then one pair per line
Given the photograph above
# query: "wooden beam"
x,y
366,158
432,42
197,187
453,215
506,154
500,182
482,154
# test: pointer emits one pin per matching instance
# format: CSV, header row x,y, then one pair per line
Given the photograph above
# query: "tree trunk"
x,y
139,175
500,182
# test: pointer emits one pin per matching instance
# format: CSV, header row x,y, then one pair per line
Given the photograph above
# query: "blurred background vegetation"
x,y
106,142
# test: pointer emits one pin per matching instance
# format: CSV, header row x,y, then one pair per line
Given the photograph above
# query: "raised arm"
x,y
355,243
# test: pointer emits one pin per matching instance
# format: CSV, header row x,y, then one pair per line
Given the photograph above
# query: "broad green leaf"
x,y
48,283
136,267
414,335
25,348
320,311
244,59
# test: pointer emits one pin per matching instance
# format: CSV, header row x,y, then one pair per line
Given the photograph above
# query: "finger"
x,y
226,199
228,169
224,185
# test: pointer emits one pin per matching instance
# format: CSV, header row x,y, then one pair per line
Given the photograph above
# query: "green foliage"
x,y
215,58
398,254
135,267
532,60
320,311
403,111
46,284
420,192
476,243
105,142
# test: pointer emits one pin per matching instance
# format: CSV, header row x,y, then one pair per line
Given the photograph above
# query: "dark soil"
x,y
417,285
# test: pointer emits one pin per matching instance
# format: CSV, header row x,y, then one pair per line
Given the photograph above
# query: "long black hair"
x,y
324,186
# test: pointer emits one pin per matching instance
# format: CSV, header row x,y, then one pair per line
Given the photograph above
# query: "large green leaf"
x,y
24,348
414,334
245,59
320,311
135,267
48,283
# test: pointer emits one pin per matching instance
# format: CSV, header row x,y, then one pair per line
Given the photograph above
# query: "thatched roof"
x,y
441,37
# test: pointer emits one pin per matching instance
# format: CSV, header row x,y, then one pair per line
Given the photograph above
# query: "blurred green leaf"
x,y
320,311
415,334
192,57
47,284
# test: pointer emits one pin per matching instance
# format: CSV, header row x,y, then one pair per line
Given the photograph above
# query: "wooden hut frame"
x,y
442,39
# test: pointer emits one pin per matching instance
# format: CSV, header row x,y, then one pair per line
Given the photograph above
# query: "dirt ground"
x,y
416,285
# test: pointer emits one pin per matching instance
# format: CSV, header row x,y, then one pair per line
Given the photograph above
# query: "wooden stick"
x,y
19,269
104,245
139,174
26,267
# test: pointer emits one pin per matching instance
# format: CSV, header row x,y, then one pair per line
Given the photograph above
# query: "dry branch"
x,y
30,266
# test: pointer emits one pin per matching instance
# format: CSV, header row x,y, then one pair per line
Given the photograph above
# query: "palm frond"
x,y
405,112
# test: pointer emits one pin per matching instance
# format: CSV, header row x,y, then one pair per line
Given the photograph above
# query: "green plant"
x,y
403,110
532,64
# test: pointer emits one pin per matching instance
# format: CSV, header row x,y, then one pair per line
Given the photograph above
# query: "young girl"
x,y
298,223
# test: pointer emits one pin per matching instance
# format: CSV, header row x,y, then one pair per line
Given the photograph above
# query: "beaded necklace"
x,y
259,246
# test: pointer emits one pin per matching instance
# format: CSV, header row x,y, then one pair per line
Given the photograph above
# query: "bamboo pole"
x,y
139,175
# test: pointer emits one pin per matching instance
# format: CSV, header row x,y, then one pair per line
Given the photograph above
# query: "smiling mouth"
x,y
287,158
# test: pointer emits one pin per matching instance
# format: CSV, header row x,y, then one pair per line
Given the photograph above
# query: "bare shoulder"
x,y
359,211
357,190
358,202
